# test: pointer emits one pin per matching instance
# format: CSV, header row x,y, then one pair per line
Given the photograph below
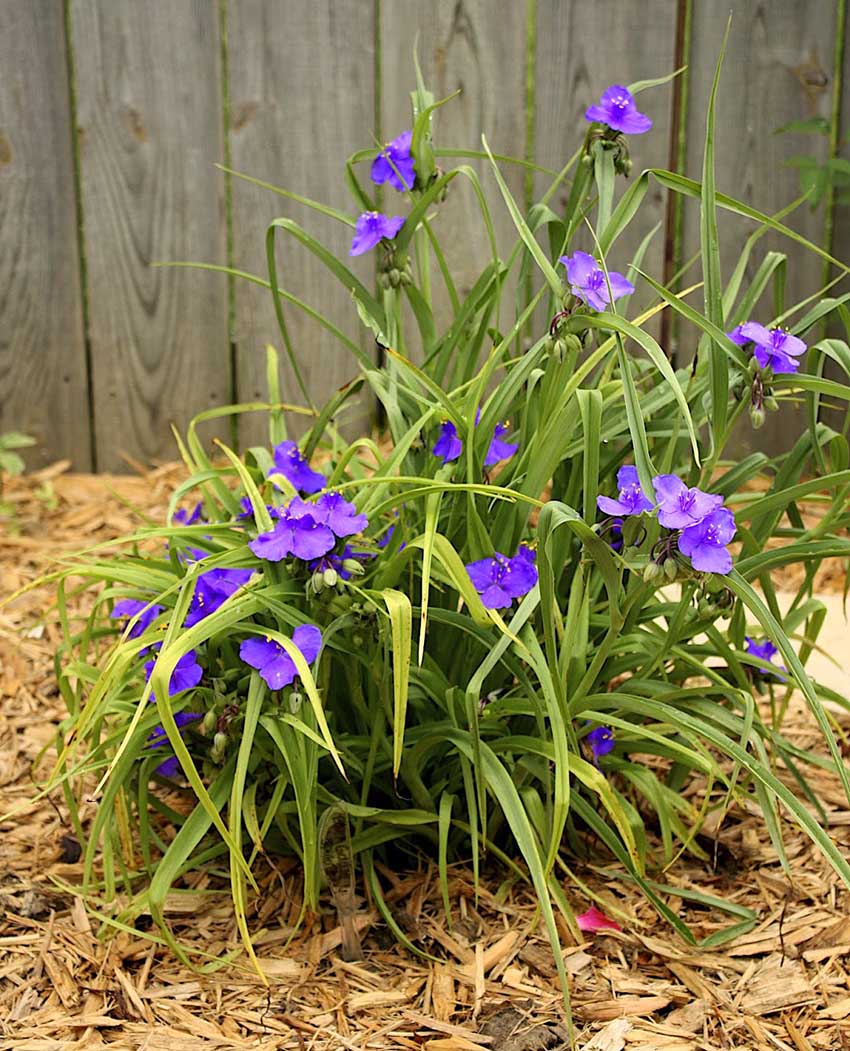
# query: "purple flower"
x,y
289,461
499,450
339,514
705,543
212,589
499,580
129,607
448,446
394,164
587,281
773,347
601,741
630,498
294,534
617,109
679,506
616,531
183,517
371,228
170,767
765,651
272,661
187,673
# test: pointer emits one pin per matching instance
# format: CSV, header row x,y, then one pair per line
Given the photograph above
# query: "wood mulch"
x,y
782,986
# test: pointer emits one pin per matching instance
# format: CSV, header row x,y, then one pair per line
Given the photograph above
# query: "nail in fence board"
x,y
302,100
149,97
43,387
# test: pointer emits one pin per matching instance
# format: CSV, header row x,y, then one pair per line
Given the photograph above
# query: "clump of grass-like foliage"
x,y
534,722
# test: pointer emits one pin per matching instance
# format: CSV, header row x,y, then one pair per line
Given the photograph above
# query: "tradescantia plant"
x,y
519,625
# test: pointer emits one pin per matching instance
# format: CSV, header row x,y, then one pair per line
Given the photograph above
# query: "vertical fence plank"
x,y
150,132
301,101
465,45
43,381
777,69
581,50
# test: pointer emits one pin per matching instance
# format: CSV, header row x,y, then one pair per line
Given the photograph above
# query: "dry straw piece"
x,y
784,985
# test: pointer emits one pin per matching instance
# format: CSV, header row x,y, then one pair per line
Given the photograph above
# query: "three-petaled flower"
x,y
290,462
617,109
679,506
601,741
588,281
186,674
212,589
272,661
705,543
130,607
499,580
773,347
631,499
764,651
309,530
371,228
394,164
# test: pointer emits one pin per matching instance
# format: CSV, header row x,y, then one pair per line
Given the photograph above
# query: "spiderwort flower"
x,y
588,283
272,661
499,580
772,347
372,228
129,607
290,462
184,517
448,446
212,589
187,673
498,449
339,514
631,499
394,164
294,533
679,506
158,737
601,741
765,651
705,543
617,109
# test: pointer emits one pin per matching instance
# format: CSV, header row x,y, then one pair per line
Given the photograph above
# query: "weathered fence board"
x,y
43,384
301,103
777,68
461,47
149,94
581,50
309,83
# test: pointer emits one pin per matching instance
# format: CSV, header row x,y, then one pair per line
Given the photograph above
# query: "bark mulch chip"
x,y
64,985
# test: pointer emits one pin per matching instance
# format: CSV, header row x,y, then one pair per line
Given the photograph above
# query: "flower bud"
x,y
771,404
406,277
394,277
295,699
209,721
757,417
330,577
753,367
653,574
219,746
384,280
316,583
352,566
671,569
705,608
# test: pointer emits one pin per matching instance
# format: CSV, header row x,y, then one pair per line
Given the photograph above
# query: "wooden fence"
x,y
113,114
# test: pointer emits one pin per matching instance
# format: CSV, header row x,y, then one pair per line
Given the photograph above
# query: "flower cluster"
x,y
702,526
309,530
500,579
395,165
